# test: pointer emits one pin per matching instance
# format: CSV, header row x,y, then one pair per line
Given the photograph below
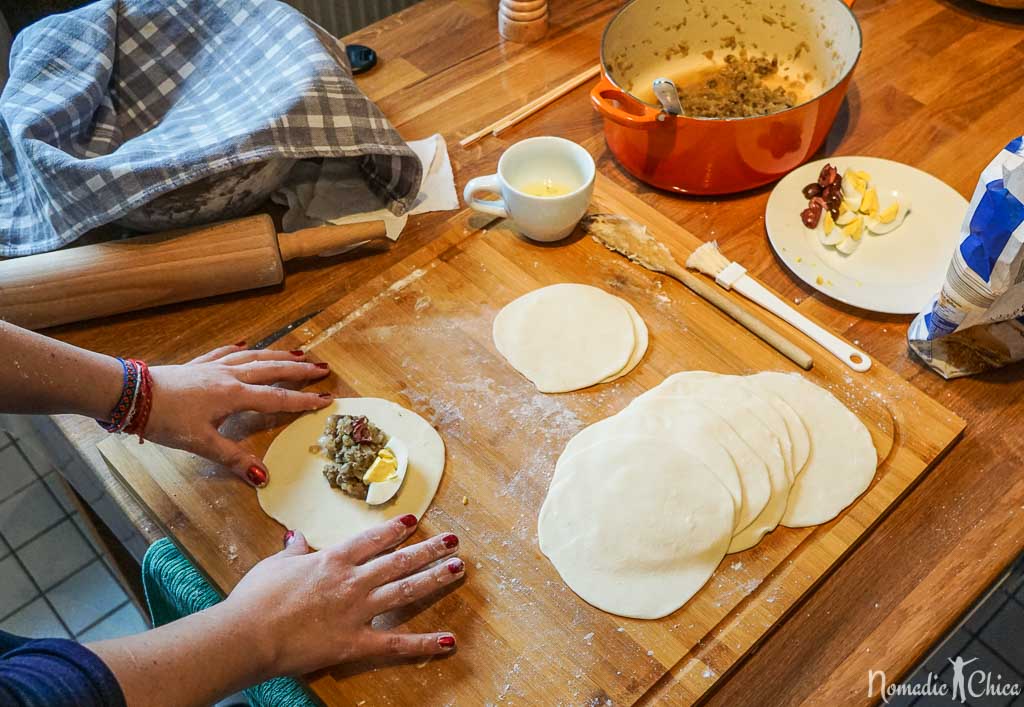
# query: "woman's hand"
x,y
191,401
315,608
43,376
294,612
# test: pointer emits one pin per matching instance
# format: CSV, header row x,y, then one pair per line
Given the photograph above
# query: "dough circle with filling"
x,y
299,497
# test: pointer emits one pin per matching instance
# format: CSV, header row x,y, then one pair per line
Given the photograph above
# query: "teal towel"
x,y
174,588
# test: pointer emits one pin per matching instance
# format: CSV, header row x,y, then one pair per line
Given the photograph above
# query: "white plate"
x,y
896,273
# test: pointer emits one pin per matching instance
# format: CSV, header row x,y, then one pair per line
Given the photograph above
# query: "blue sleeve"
x,y
55,673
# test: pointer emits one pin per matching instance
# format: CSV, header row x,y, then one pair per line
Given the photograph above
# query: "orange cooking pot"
x,y
817,45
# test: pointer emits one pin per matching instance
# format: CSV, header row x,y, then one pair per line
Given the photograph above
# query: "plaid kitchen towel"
x,y
116,103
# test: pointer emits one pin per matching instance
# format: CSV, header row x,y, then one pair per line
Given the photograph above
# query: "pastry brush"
x,y
733,276
630,238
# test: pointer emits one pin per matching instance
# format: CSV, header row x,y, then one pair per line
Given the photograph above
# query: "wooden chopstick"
x,y
547,99
524,112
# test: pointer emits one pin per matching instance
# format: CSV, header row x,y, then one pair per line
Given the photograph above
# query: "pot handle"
x,y
629,111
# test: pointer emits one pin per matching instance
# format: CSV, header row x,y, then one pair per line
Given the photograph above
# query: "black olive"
x,y
810,216
811,191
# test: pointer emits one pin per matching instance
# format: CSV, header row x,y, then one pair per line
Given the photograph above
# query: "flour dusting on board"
x,y
393,289
465,395
452,403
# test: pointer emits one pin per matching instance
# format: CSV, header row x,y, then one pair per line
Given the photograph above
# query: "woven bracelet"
x,y
136,424
126,400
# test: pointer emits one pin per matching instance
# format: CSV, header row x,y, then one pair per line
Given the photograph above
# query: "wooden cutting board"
x,y
421,335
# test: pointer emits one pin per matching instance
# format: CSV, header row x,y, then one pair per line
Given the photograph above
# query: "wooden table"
x,y
939,86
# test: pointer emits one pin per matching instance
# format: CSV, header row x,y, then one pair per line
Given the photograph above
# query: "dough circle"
x,y
565,337
842,458
727,396
687,425
299,497
636,549
756,422
760,442
640,342
670,412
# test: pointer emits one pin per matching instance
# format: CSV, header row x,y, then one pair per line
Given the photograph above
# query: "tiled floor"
x,y
52,579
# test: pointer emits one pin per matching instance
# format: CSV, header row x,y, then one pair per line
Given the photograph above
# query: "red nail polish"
x,y
322,365
450,540
256,476
446,641
297,352
408,520
326,396
456,566
288,537
241,343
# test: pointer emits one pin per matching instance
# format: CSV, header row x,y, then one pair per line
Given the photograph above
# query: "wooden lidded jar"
x,y
523,21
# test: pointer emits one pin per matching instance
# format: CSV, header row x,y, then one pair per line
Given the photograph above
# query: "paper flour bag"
x,y
977,321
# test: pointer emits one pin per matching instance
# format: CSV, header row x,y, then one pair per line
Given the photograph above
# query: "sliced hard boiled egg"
x,y
852,233
853,200
830,234
827,223
854,186
386,474
847,215
869,204
384,467
848,245
854,229
891,217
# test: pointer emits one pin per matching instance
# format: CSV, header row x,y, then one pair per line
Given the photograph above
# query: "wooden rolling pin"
x,y
75,284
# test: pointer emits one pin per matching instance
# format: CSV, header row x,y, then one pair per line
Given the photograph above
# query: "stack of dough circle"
x,y
772,449
566,337
642,567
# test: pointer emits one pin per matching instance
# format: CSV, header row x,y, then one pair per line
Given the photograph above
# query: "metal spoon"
x,y
668,96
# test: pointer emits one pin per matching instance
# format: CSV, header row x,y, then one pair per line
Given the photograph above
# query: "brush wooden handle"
x,y
748,321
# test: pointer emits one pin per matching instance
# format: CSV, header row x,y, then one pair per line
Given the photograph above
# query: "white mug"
x,y
545,185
